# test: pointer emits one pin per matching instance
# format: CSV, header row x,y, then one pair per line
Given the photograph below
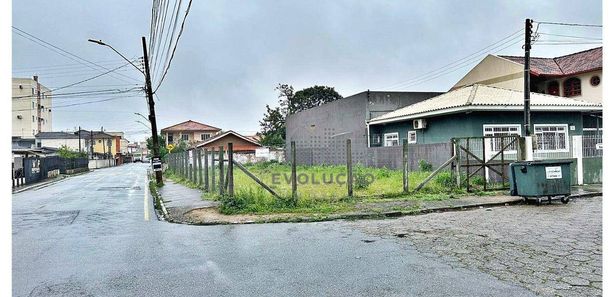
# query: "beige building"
x,y
31,107
189,131
576,75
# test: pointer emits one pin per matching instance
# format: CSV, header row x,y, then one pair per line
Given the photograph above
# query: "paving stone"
x,y
504,242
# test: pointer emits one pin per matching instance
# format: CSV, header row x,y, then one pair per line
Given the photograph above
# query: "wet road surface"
x,y
97,235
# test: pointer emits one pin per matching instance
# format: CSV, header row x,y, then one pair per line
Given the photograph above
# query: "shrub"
x,y
362,179
425,166
445,179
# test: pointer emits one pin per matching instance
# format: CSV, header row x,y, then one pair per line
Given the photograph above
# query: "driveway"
x,y
97,235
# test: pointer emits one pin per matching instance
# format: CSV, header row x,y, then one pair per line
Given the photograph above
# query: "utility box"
x,y
537,179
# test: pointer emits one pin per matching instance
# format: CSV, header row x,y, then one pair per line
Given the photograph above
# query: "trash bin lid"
x,y
542,162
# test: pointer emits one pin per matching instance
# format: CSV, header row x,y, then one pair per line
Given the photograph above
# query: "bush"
x,y
425,166
362,179
445,179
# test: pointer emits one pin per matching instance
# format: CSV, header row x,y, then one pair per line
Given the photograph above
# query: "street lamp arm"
x,y
136,113
148,127
100,42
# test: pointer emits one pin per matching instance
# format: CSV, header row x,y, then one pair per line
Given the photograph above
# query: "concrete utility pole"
x,y
528,25
152,112
79,133
92,143
150,101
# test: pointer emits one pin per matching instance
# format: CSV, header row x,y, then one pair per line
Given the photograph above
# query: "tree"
x,y
273,125
68,153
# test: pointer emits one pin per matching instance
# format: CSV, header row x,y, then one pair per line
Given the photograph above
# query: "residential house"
x,y
121,143
320,132
99,143
59,139
577,75
190,132
240,143
480,110
31,107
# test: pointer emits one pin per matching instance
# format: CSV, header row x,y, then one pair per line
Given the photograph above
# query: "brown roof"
x,y
575,63
191,126
222,135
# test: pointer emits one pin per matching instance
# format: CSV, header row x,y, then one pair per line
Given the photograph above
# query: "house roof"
x,y
56,135
190,126
222,135
481,97
575,63
96,134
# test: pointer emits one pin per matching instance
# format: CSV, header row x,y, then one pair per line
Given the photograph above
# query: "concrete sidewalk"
x,y
185,205
179,199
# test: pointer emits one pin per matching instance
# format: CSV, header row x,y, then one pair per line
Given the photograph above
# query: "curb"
x,y
368,215
51,182
41,185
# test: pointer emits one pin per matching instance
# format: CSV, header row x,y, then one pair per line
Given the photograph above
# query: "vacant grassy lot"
x,y
323,189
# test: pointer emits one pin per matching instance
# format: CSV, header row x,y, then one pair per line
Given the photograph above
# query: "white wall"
x,y
57,143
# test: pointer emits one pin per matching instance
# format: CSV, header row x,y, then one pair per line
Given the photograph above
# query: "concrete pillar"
x,y
576,144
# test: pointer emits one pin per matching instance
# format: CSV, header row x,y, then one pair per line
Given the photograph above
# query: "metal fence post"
x,y
348,158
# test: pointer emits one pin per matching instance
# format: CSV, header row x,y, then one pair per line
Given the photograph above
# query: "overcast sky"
x,y
233,53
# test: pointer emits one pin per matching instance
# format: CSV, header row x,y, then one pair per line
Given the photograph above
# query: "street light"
x,y
156,162
99,42
136,113
146,126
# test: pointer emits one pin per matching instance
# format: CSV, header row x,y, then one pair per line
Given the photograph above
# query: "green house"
x,y
480,110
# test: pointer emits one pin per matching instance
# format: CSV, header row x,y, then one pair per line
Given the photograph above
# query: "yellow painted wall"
x,y
494,71
98,146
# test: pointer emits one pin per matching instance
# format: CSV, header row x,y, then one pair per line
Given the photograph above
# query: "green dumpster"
x,y
541,179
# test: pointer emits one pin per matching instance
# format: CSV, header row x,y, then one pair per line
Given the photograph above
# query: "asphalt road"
x,y
97,235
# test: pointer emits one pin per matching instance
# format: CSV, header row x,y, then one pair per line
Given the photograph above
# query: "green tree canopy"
x,y
273,125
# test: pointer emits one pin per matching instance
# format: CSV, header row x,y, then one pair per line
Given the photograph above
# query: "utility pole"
x,y
528,25
92,142
152,112
79,133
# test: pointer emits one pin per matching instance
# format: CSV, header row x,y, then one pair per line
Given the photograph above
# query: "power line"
x,y
71,56
168,65
570,24
83,103
513,35
427,79
169,41
570,36
82,81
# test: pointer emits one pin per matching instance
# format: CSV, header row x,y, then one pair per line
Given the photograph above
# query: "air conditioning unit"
x,y
419,124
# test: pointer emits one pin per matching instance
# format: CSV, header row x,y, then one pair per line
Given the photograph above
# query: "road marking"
x,y
145,203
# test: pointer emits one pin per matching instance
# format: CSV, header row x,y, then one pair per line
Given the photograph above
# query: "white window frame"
x,y
205,136
409,137
566,149
187,136
395,134
516,126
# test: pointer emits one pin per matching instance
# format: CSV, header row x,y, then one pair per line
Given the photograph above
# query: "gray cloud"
x,y
233,53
